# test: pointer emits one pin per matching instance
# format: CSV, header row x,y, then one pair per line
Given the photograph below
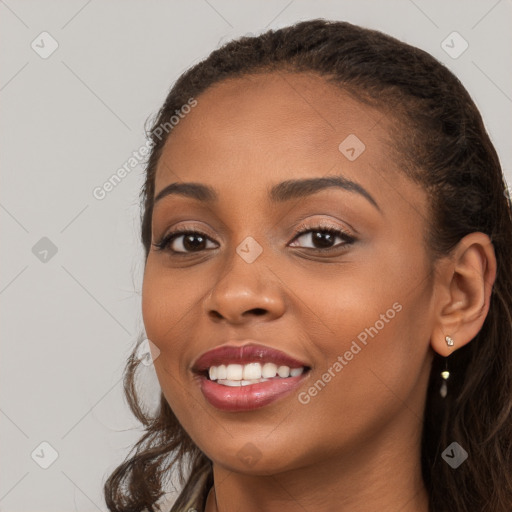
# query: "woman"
x,y
328,284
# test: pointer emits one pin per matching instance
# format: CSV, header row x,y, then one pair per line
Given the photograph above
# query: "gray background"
x,y
68,122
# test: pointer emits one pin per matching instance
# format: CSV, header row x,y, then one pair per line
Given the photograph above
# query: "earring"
x,y
445,374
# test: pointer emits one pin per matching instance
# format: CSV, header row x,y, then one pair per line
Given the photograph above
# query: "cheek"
x,y
153,306
335,308
370,332
161,310
167,304
364,386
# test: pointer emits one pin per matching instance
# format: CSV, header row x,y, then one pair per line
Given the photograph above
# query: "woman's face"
x,y
356,309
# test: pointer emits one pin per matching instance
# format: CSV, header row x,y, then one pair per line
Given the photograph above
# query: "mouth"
x,y
250,353
247,395
233,375
243,378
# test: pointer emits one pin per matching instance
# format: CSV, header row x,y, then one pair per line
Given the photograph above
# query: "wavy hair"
x,y
439,141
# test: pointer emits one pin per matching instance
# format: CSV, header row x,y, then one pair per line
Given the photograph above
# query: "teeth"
x,y
269,370
221,371
283,371
243,375
252,371
234,372
237,383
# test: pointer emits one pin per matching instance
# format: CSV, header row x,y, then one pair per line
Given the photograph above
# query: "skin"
x,y
356,445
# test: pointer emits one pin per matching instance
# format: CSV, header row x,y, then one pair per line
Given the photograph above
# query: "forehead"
x,y
265,128
283,110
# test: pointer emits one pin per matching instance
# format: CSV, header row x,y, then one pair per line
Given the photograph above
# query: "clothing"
x,y
197,496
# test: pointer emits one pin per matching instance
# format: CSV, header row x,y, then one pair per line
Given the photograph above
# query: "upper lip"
x,y
249,353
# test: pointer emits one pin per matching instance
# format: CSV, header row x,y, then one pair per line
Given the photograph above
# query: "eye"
x,y
322,238
183,241
188,241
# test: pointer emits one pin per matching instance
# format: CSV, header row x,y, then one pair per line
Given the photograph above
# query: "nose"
x,y
245,291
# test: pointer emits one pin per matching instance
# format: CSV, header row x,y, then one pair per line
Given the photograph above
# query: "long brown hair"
x,y
440,142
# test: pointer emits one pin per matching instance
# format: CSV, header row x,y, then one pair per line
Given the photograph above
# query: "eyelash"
x,y
164,242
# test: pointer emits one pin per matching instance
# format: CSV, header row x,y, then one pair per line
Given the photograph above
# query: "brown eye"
x,y
183,242
323,238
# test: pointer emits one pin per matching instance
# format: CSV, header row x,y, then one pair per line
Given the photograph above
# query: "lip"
x,y
248,398
252,396
250,352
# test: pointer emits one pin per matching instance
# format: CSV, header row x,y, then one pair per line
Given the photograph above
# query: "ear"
x,y
463,287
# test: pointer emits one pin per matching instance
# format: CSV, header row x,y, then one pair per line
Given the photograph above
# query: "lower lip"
x,y
248,398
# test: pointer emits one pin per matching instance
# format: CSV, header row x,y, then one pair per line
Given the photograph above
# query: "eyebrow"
x,y
284,191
